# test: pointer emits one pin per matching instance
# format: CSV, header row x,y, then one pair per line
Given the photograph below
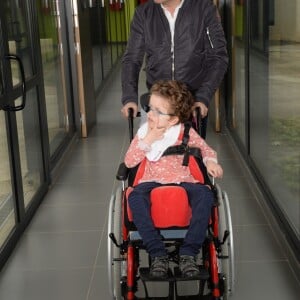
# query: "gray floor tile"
x,y
59,284
64,217
246,211
68,193
88,174
265,280
97,154
256,243
99,287
56,250
235,185
96,144
231,168
102,257
93,157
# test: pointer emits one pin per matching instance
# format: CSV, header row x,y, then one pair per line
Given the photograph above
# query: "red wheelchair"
x,y
128,262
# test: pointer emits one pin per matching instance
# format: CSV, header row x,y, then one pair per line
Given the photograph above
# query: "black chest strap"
x,y
183,148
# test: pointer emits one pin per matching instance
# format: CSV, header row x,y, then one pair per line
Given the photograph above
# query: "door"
x,y
22,135
56,75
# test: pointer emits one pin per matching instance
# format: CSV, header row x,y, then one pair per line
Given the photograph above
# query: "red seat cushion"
x,y
169,207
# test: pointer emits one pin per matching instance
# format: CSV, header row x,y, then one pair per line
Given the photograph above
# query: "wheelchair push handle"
x,y
200,123
130,123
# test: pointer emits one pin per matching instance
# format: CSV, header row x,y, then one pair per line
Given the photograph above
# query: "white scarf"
x,y
158,147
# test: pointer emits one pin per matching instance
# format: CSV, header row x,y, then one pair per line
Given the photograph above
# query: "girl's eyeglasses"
x,y
148,108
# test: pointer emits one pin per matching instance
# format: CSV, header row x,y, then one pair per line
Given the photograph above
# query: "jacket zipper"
x,y
173,66
208,35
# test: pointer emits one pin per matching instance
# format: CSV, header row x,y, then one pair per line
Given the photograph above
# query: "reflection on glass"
x,y
113,21
238,66
1,80
275,106
18,41
7,213
108,38
16,74
113,36
98,38
53,70
30,146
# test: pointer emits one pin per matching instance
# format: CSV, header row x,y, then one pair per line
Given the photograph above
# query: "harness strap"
x,y
186,133
184,149
180,149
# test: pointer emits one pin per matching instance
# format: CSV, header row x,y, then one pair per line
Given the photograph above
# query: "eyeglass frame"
x,y
147,108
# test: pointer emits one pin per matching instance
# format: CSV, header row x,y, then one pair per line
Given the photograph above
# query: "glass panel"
x,y
119,32
7,212
54,72
29,137
237,109
107,47
1,80
274,99
18,40
123,29
112,33
97,22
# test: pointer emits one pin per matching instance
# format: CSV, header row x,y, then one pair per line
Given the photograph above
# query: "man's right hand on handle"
x,y
126,107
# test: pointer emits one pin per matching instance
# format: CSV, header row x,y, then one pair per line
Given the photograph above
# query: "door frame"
x,y
10,93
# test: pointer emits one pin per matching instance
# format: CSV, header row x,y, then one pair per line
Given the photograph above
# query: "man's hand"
x,y
126,107
203,108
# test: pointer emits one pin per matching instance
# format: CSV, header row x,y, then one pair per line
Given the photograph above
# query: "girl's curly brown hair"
x,y
180,98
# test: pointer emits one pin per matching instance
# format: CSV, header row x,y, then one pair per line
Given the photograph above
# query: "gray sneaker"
x,y
159,267
188,266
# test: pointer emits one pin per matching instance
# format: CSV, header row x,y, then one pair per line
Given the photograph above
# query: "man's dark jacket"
x,y
200,55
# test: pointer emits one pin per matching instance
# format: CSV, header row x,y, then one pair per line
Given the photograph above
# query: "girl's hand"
x,y
154,133
213,169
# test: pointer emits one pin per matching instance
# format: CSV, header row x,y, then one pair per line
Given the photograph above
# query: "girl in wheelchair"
x,y
170,107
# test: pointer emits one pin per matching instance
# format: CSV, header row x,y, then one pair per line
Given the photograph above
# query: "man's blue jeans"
x,y
201,200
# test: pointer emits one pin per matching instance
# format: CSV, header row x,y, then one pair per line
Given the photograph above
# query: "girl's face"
x,y
160,113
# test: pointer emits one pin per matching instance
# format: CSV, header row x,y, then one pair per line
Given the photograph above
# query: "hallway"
x,y
62,254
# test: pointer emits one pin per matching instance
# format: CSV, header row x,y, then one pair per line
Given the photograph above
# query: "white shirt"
x,y
172,21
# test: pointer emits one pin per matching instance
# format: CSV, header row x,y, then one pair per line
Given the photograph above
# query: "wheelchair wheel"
x,y
113,252
227,253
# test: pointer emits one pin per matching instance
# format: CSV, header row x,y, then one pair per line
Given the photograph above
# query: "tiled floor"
x,y
62,255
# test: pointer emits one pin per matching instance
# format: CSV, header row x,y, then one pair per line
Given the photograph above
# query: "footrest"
x,y
204,275
145,276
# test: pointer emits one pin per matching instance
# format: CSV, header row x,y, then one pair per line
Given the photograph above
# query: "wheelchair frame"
x,y
216,280
217,267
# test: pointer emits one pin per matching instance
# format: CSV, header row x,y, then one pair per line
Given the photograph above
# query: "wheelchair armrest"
x,y
123,172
